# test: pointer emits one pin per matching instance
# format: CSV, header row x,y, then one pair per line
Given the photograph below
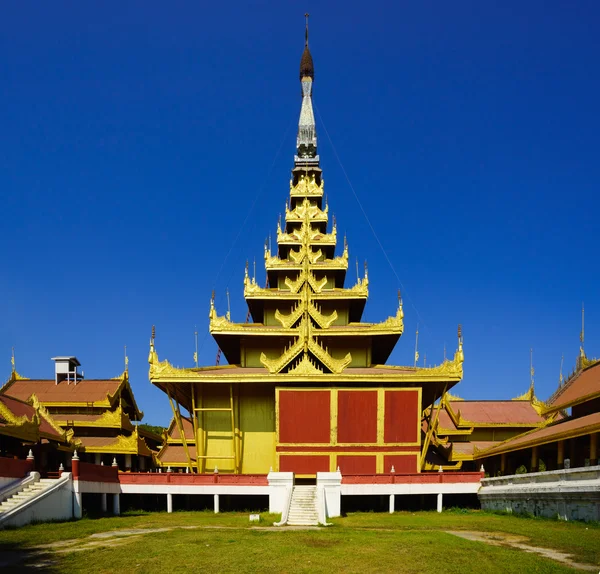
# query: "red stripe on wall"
x,y
402,413
357,416
388,448
304,416
401,463
357,464
303,464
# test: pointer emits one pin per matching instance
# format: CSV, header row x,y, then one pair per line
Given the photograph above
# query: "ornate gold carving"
x,y
395,321
288,321
159,369
322,320
307,208
305,367
453,368
316,284
306,186
290,353
295,284
334,365
42,411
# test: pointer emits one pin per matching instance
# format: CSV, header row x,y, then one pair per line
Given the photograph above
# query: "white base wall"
x,y
56,504
570,494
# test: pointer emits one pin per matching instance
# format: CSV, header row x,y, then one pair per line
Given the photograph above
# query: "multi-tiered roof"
x,y
305,322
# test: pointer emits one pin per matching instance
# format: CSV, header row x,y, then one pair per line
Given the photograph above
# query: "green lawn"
x,y
361,542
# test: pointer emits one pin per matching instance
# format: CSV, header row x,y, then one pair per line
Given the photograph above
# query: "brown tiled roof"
x,y
582,387
175,454
445,421
20,408
567,428
97,441
47,391
468,447
188,430
497,412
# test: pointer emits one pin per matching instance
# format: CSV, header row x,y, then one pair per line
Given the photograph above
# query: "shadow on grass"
x,y
14,557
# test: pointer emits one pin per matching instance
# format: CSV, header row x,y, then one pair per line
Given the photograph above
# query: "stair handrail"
x,y
286,508
17,485
65,478
322,506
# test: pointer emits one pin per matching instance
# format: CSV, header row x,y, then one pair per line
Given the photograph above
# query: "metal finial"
x,y
153,332
417,345
582,334
126,360
560,377
12,360
459,331
306,32
531,369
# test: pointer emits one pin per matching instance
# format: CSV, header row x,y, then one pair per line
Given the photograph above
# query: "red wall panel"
x,y
357,416
301,464
402,463
357,464
402,413
304,416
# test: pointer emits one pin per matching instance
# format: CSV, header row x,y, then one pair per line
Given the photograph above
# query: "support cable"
x,y
360,205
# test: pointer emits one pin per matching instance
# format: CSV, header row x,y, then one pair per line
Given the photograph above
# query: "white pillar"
x,y
216,504
128,461
440,501
77,505
97,458
170,502
104,502
392,503
116,505
280,487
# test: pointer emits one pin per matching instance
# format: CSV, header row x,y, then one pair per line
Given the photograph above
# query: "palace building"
x,y
307,387
96,416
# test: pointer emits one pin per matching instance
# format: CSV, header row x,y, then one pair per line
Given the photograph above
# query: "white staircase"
x,y
303,507
28,492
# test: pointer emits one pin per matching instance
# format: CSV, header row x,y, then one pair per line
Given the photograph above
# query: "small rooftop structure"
x,y
65,368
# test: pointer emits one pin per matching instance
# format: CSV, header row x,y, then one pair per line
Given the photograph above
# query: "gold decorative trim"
x,y
306,186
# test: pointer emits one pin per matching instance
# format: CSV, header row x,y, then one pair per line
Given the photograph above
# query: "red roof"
x,y
497,413
175,454
569,427
47,391
469,447
580,388
188,430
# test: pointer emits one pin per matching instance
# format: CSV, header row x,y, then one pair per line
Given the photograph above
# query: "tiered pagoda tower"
x,y
306,388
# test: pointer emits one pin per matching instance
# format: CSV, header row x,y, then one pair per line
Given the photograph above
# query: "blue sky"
x,y
145,154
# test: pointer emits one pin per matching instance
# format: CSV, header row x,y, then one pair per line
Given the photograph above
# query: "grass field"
x,y
361,542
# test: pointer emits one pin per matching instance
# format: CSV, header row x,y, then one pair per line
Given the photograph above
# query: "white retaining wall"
x,y
569,494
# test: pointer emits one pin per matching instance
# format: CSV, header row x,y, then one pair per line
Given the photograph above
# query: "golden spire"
x,y
417,346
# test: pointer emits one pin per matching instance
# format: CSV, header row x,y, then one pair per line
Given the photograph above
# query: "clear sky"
x,y
145,150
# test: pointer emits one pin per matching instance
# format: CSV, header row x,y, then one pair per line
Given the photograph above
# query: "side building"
x,y
570,441
466,427
98,416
